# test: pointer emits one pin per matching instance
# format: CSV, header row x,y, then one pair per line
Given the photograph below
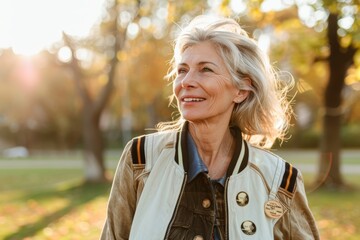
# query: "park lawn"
x,y
337,212
55,204
50,204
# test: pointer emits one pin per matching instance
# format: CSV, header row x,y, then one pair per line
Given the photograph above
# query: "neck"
x,y
215,145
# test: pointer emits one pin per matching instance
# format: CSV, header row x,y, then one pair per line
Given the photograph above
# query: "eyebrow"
x,y
200,63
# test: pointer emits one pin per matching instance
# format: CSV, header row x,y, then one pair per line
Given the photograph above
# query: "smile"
x,y
193,99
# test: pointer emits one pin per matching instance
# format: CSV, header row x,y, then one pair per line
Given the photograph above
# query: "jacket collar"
x,y
238,163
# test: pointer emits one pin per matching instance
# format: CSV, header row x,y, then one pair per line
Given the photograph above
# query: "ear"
x,y
241,96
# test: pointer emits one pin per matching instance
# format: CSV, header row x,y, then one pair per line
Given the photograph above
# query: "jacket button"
x,y
248,227
198,237
242,199
206,203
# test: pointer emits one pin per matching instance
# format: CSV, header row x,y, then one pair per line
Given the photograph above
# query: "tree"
x,y
340,60
93,104
341,22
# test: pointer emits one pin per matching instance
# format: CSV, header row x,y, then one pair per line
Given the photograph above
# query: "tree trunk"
x,y
329,175
94,168
340,59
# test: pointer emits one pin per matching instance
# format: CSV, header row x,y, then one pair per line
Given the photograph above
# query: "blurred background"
x,y
80,78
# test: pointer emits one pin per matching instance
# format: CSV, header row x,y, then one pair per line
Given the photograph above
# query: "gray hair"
x,y
264,115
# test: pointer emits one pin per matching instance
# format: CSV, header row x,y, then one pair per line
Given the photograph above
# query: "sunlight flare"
x,y
31,26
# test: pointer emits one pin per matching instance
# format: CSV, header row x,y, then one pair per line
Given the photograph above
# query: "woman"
x,y
207,175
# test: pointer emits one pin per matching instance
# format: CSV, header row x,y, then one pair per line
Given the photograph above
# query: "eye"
x,y
181,70
206,69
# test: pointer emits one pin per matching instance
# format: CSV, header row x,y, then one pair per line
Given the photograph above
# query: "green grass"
x,y
50,204
110,155
55,204
336,212
312,156
25,180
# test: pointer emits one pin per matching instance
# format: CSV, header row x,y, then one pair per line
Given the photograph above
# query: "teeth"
x,y
193,99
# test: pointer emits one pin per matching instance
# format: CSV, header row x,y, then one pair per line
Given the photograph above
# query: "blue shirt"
x,y
196,164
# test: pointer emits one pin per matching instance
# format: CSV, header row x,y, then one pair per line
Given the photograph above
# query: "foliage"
x,y
143,84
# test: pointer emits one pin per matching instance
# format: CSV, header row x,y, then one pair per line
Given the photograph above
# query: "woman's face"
x,y
203,86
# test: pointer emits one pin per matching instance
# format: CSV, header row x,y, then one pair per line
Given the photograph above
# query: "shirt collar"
x,y
196,165
184,157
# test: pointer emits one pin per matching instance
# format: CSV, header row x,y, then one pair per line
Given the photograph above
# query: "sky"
x,y
28,26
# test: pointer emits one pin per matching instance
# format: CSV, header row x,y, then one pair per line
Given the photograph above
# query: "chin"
x,y
193,118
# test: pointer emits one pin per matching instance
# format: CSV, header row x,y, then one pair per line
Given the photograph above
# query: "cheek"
x,y
218,86
176,87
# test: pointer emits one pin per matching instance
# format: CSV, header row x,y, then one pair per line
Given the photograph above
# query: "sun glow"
x,y
30,26
27,74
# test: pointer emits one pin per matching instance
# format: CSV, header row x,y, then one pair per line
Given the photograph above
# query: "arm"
x,y
298,223
122,200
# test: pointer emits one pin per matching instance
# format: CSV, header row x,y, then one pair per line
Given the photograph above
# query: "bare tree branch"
x,y
75,66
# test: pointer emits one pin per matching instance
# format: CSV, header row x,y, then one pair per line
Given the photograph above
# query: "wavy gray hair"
x,y
264,115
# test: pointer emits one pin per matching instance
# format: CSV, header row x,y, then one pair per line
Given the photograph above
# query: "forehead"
x,y
200,52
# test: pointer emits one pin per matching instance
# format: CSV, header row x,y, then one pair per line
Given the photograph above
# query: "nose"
x,y
189,80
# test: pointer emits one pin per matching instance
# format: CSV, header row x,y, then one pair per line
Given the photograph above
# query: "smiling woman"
x,y
30,26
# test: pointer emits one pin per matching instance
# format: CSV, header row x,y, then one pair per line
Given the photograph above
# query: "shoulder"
x,y
265,160
151,145
274,169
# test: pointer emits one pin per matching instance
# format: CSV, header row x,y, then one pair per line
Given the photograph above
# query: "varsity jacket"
x,y
264,195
